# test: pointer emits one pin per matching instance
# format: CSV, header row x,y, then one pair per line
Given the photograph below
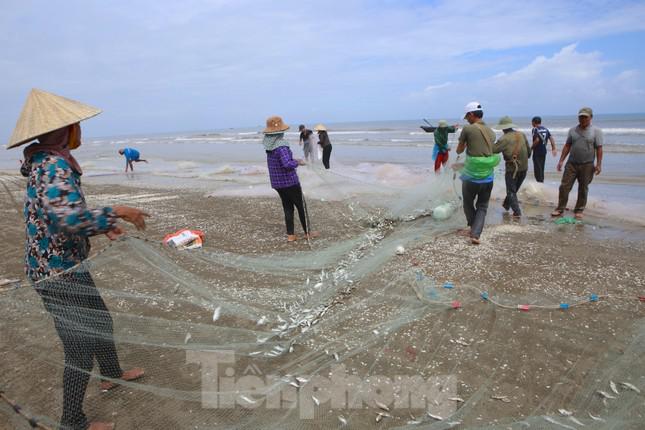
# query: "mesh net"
x,y
388,322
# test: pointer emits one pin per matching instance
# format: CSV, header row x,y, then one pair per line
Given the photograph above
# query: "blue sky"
x,y
198,65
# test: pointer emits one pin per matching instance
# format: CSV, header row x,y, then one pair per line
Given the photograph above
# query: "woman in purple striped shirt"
x,y
282,172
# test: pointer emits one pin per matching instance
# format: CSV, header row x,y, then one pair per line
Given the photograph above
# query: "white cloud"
x,y
556,84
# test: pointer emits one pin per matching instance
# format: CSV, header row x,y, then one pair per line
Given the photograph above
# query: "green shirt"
x,y
472,135
441,137
507,144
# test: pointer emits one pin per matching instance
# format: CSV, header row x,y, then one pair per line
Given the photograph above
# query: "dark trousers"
x,y
538,166
583,173
513,185
84,326
326,155
292,196
476,211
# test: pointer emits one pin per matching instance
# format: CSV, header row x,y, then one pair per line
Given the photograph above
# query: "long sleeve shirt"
x,y
58,222
282,168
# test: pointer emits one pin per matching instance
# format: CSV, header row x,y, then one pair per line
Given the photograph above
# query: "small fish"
x,y
595,418
262,320
216,313
290,348
262,339
255,353
318,285
342,420
576,421
454,423
381,405
630,386
336,357
612,385
375,332
565,413
294,384
316,401
456,399
605,395
434,417
247,399
504,399
187,338
461,342
379,417
552,421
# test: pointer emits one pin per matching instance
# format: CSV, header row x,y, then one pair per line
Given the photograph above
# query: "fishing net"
x,y
386,325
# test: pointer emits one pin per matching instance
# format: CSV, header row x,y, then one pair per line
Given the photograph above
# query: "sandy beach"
x,y
376,313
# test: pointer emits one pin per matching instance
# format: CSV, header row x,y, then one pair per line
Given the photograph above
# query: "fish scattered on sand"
x,y
504,399
552,421
187,338
595,418
605,394
342,420
434,417
381,405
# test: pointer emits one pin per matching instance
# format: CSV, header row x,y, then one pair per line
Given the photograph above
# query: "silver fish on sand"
x,y
576,421
630,386
216,313
434,417
504,399
187,338
605,395
381,405
595,418
316,401
565,413
613,387
552,421
247,399
342,420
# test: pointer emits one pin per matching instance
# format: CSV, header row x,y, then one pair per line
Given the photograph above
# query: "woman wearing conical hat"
x,y
325,144
58,227
282,173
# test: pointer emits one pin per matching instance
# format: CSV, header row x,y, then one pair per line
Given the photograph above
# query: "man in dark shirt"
x,y
540,136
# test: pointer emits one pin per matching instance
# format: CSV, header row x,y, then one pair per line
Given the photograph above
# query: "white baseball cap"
x,y
472,106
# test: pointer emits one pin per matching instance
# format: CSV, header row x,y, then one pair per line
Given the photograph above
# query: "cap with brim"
x,y
585,111
505,123
472,107
320,127
275,125
442,123
44,112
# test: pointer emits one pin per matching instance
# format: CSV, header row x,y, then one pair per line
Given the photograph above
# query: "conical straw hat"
x,y
44,112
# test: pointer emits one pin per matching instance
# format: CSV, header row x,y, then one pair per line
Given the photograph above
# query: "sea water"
x,y
367,157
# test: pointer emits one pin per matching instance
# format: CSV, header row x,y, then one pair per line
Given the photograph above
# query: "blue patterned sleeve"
x,y
286,159
64,203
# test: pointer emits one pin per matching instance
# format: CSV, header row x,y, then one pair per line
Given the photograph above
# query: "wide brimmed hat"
x,y
44,112
275,125
320,127
505,123
442,123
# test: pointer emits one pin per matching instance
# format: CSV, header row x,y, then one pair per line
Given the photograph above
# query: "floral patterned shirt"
x,y
58,222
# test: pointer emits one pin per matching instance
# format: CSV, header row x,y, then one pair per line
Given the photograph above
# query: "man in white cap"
x,y
584,148
476,139
58,227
